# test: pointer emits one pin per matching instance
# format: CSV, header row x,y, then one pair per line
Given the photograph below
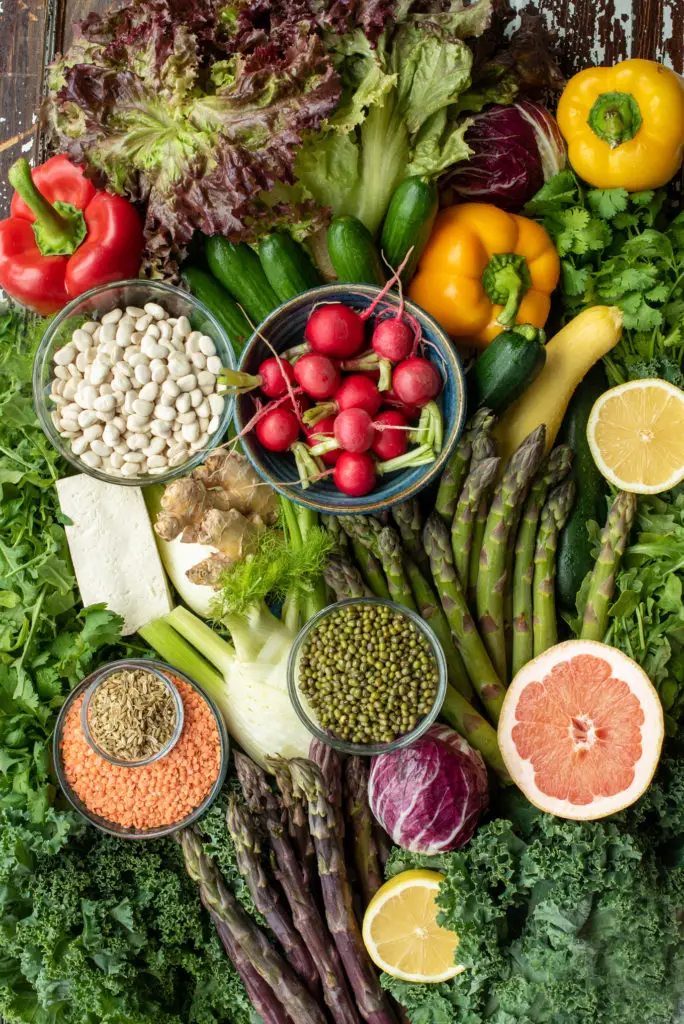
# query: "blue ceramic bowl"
x,y
284,329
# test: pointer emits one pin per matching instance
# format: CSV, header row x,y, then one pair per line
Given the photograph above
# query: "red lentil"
x,y
154,795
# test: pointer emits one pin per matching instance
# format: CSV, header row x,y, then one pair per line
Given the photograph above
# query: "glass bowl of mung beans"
x,y
367,676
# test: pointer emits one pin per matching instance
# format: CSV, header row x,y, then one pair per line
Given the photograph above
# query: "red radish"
x,y
275,375
277,429
416,381
325,427
355,392
355,474
411,412
318,375
390,444
393,339
354,430
335,330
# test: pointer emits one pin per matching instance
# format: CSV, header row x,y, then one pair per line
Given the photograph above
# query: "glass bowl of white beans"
x,y
126,382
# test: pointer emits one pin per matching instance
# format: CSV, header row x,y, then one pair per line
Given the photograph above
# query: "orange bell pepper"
x,y
484,270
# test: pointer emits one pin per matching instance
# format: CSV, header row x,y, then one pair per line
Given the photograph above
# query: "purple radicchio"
x,y
515,149
430,797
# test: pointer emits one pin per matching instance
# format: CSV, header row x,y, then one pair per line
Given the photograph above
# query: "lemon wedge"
x,y
401,933
636,435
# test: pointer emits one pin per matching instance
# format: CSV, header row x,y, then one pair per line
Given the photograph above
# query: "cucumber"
x,y
238,269
224,307
353,253
287,266
574,559
411,214
507,367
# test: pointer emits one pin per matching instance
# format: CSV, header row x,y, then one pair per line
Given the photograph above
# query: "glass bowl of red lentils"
x,y
151,800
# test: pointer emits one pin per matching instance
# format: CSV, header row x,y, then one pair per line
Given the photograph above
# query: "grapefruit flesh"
x,y
581,730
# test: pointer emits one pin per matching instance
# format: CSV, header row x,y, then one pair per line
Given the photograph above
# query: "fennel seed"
x,y
132,715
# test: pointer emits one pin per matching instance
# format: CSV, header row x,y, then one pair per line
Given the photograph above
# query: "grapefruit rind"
x,y
608,471
652,731
429,880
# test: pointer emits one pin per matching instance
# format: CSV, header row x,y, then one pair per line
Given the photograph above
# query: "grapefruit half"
x,y
581,730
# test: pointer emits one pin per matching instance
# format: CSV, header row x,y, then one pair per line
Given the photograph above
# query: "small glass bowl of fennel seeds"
x,y
132,715
367,676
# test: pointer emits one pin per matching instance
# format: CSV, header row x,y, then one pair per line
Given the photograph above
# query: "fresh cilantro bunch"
x,y
616,248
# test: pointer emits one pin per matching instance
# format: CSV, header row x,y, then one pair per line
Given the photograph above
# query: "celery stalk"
x,y
194,631
172,647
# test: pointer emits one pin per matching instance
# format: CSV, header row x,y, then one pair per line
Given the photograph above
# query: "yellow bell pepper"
x,y
624,125
484,270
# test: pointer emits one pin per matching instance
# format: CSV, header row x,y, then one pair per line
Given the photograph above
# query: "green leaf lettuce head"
x,y
563,921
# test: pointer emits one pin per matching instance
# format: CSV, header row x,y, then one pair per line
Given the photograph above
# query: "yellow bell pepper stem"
x,y
615,118
506,282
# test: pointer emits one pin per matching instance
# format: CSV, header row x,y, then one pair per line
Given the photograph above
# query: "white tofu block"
x,y
113,549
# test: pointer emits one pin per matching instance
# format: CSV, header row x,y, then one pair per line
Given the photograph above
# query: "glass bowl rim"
x,y
367,749
41,405
103,824
163,751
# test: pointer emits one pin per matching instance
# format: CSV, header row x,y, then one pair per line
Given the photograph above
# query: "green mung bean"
x,y
368,673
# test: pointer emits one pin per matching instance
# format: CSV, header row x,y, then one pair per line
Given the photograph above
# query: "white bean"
x,y
74,370
191,431
143,373
82,339
157,461
82,362
85,396
105,403
186,417
124,334
106,389
156,311
116,460
98,372
143,408
121,448
134,457
213,425
183,325
152,349
143,322
129,469
187,383
156,445
174,344
123,368
105,417
59,400
173,320
214,365
111,435
69,388
200,442
178,448
65,355
196,397
101,449
79,445
122,384
137,424
108,333
86,418
205,379
120,423
193,342
113,316
90,327
57,386
149,392
165,412
167,399
178,366
207,346
203,409
91,354
152,331
216,404
92,432
159,370
198,360
165,329
138,359
92,460
136,441
135,312
183,402
178,459
169,387
203,424
160,428
61,373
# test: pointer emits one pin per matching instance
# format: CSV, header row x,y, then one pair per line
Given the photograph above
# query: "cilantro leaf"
x,y
607,202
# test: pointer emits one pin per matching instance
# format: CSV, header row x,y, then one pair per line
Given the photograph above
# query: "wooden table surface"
x,y
591,31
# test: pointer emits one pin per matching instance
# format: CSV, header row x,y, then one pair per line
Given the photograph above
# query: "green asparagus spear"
x,y
553,518
463,717
553,471
389,550
613,543
332,525
266,898
360,822
431,610
457,466
362,532
270,965
479,527
492,576
408,521
263,802
477,661
477,484
307,781
345,580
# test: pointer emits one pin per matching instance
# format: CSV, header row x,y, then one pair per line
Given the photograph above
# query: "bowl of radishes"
x,y
348,399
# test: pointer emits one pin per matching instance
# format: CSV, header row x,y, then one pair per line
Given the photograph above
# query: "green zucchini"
x,y
224,307
238,269
353,253
507,367
287,266
408,224
574,559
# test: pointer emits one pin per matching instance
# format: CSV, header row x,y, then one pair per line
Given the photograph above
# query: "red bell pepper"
x,y
64,236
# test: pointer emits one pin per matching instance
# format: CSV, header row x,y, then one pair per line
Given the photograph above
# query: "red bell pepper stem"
x,y
59,229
